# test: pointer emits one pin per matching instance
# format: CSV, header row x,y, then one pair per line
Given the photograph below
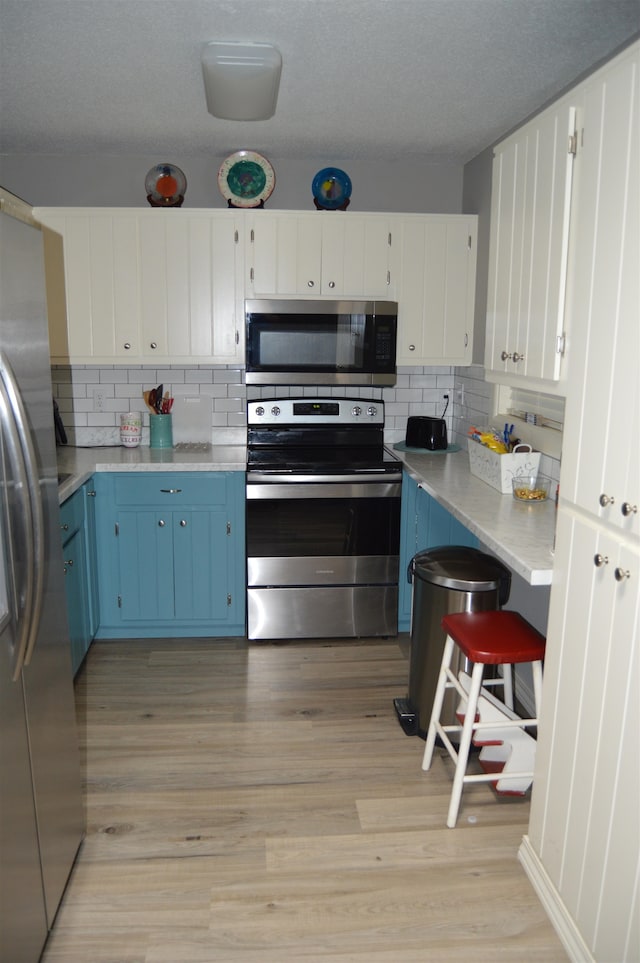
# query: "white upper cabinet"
x,y
318,254
530,220
601,451
149,286
434,274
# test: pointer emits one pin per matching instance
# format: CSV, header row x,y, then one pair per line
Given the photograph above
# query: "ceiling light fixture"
x,y
241,80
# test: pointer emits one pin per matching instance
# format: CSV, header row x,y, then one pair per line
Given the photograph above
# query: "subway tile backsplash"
x,y
92,398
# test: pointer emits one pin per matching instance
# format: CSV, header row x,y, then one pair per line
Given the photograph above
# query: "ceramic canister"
x,y
130,429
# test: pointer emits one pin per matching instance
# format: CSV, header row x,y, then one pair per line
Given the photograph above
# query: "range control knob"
x,y
259,411
356,410
372,411
275,410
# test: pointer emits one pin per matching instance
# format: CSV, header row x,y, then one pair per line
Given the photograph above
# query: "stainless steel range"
x,y
323,520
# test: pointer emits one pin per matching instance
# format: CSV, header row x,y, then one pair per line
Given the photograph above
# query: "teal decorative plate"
x,y
246,179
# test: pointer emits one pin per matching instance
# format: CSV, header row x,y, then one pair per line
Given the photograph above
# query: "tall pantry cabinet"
x,y
581,852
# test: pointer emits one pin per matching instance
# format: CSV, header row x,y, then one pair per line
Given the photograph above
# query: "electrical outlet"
x,y
98,399
459,394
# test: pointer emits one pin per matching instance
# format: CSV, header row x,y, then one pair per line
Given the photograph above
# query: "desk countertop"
x,y
519,534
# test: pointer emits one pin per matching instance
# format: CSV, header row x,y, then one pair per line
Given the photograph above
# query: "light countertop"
x,y
521,535
81,463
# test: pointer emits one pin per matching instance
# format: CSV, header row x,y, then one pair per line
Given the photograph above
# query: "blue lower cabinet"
x,y
425,524
172,549
78,551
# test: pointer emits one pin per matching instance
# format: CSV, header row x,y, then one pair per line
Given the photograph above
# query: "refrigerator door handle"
x,y
25,465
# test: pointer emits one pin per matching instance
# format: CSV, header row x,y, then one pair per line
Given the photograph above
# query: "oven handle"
x,y
341,489
359,477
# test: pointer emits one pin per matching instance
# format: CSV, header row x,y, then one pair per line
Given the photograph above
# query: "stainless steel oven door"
x,y
322,559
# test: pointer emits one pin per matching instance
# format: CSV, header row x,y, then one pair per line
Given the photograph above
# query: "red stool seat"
x,y
495,638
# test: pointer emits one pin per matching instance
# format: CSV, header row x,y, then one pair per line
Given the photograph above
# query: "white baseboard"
x,y
562,922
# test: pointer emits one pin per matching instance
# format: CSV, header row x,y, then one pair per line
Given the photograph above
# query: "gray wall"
x,y
476,199
413,185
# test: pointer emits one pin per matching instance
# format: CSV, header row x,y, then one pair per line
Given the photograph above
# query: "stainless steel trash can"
x,y
452,578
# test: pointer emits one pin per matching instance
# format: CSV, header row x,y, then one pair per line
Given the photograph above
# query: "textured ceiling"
x,y
382,79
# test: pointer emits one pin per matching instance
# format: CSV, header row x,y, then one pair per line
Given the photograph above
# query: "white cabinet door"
x,y
530,211
284,254
318,254
434,272
355,255
191,307
102,285
586,794
601,440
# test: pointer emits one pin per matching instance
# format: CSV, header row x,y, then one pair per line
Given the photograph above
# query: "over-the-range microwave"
x,y
321,342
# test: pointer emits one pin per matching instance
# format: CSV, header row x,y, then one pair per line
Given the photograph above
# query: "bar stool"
x,y
486,638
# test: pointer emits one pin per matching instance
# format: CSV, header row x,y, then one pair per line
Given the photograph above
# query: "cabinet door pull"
x,y
600,560
412,347
517,357
183,523
127,345
171,491
310,284
606,500
332,284
91,494
161,523
505,356
628,509
621,574
153,345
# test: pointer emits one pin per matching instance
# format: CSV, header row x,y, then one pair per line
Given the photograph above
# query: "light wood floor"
x,y
260,804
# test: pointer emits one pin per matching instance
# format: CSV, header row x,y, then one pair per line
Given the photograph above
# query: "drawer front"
x,y
71,516
171,489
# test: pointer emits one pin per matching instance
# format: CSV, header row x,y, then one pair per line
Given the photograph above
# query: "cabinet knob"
x,y
127,345
517,357
606,500
621,574
310,284
183,523
600,560
505,356
91,494
332,284
69,562
628,509
153,345
161,523
65,527
412,347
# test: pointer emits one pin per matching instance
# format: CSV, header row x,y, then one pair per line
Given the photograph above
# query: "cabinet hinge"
x,y
252,236
251,275
389,239
388,277
119,601
228,528
235,236
469,242
561,343
229,599
116,529
573,143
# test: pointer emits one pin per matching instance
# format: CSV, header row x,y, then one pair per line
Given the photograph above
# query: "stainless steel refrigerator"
x,y
41,812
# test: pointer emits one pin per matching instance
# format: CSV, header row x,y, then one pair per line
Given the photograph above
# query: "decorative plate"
x,y
331,189
246,179
165,185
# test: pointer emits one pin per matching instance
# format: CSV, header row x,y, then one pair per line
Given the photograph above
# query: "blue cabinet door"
x,y
145,561
425,524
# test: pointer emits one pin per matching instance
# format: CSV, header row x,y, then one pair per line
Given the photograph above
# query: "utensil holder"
x,y
160,431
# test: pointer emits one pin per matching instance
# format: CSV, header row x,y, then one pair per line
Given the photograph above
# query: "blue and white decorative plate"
x,y
331,189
